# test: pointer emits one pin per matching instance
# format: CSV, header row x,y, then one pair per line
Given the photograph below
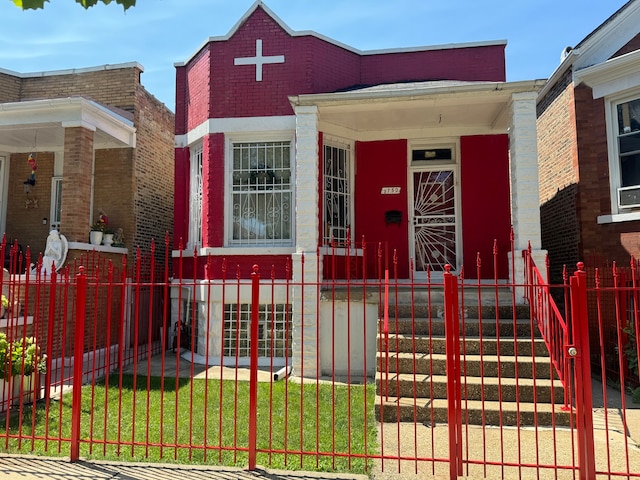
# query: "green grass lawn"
x,y
214,433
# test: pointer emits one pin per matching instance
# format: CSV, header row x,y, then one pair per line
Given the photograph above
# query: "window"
x,y
56,202
628,115
274,330
195,199
261,193
337,193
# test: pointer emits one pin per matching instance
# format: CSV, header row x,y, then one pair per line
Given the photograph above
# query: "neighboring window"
x,y
195,199
274,330
628,114
56,203
261,193
337,194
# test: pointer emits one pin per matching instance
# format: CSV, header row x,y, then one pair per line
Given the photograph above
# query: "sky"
x,y
159,33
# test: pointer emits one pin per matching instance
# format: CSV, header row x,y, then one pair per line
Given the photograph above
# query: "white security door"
x,y
433,225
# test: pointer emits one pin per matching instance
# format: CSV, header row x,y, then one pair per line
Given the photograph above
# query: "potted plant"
x,y
4,306
20,363
107,238
96,233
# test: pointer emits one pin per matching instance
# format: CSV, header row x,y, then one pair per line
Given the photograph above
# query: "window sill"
x,y
618,218
341,251
15,322
228,251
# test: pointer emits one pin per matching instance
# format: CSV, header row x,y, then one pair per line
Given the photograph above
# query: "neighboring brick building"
x,y
589,162
100,142
288,140
589,147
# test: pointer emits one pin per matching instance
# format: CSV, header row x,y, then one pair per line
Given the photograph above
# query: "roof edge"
x,y
51,73
303,33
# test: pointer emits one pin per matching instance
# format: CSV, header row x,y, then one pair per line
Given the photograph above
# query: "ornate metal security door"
x,y
434,220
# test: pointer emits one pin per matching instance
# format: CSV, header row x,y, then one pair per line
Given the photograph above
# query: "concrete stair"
x,y
507,374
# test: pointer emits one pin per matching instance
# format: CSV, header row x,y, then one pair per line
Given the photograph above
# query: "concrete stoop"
x,y
507,379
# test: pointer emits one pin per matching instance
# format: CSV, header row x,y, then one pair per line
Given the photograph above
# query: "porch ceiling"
x,y
478,107
40,125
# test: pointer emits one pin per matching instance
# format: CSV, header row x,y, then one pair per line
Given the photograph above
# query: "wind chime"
x,y
31,180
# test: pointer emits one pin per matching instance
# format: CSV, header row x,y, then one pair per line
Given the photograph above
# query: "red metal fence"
x,y
445,374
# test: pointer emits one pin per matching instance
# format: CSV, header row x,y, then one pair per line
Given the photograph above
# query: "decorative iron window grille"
x,y
261,193
337,194
195,199
274,330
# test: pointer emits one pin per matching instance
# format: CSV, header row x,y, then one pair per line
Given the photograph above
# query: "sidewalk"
x,y
27,467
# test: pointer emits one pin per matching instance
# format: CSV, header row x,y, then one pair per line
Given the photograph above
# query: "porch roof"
x,y
434,108
40,124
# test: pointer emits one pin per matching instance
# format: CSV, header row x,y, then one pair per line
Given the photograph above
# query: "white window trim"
x,y
249,137
453,164
53,221
4,185
195,231
348,145
611,121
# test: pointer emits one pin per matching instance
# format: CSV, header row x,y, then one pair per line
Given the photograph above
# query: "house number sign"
x,y
390,191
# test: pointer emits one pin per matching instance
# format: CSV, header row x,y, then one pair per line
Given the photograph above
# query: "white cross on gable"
x,y
258,60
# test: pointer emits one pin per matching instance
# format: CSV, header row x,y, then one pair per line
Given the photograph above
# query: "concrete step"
x,y
423,386
435,309
432,412
471,365
472,345
469,327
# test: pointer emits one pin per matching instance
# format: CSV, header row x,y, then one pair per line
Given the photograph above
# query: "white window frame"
x,y
615,176
258,137
55,213
348,147
196,183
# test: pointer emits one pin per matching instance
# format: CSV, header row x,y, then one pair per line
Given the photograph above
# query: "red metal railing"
x,y
334,363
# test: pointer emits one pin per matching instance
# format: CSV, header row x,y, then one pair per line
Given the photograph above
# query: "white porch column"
x,y
305,314
525,196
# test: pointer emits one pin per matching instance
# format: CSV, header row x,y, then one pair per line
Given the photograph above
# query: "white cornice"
x,y
613,76
311,33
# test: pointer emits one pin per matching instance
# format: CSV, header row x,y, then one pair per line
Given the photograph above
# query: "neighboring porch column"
x,y
525,197
305,313
77,172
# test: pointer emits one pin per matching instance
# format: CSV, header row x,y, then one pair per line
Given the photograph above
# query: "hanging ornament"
x,y
34,166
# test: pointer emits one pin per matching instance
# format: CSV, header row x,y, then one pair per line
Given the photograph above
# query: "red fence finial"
x,y
580,266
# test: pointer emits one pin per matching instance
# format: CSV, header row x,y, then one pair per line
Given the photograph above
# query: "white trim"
x,y
304,33
251,137
236,126
612,147
4,188
619,217
453,165
229,251
613,76
349,146
98,248
73,71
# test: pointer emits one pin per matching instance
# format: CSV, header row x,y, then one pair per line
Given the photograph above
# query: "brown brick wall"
x,y
114,87
558,176
9,88
153,171
114,190
76,183
24,221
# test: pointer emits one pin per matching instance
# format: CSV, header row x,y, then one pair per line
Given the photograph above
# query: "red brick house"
x,y
287,141
589,146
100,141
589,163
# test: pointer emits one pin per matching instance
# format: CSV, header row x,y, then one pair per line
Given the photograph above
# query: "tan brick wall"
x,y
24,221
